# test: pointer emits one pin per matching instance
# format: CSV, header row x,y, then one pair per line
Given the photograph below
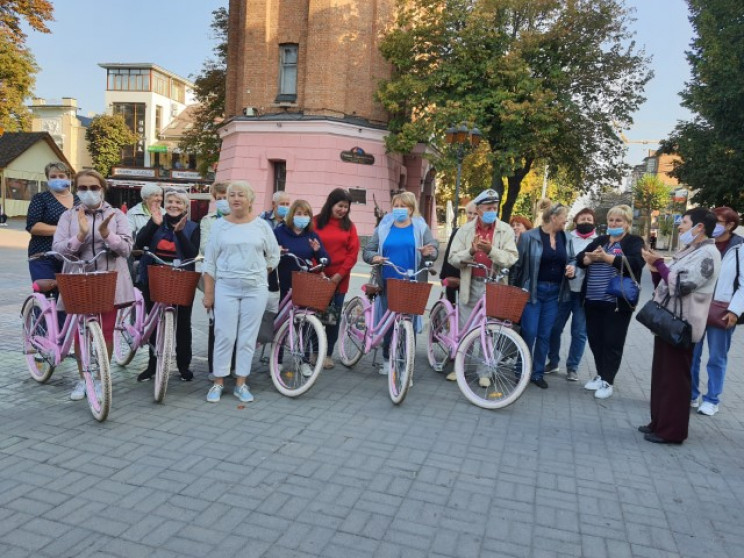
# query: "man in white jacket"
x,y
485,240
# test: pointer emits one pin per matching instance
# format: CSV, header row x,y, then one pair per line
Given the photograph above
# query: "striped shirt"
x,y
599,274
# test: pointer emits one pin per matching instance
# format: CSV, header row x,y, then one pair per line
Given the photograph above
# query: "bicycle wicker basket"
x,y
87,293
311,290
170,286
407,297
505,302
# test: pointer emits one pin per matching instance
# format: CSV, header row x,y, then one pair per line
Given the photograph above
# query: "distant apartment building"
x,y
61,120
300,109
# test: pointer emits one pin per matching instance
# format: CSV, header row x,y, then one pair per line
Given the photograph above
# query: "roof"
x,y
177,127
145,65
14,144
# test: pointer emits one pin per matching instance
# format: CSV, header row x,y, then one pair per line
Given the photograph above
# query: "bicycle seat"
x,y
44,285
371,290
451,282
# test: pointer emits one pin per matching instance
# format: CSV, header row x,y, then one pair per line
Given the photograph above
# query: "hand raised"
x,y
103,229
314,244
181,224
83,226
156,215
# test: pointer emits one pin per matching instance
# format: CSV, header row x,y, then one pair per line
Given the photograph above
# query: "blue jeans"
x,y
537,322
719,343
574,308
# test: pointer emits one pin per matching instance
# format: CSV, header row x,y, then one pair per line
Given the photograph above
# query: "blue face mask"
x,y
489,217
719,230
301,221
223,207
282,211
616,231
400,214
688,237
58,184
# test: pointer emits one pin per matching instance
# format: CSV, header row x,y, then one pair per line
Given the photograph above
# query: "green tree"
x,y
209,88
17,64
106,135
711,145
543,80
650,194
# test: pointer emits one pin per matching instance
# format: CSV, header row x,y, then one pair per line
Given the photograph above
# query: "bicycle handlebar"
x,y
173,264
409,273
75,261
493,274
305,265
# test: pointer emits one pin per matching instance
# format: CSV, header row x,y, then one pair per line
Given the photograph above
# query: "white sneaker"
x,y
306,370
695,403
604,391
595,384
484,382
708,409
384,370
451,377
78,392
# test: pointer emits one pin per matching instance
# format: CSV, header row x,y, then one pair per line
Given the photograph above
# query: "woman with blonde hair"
x,y
403,238
241,249
608,316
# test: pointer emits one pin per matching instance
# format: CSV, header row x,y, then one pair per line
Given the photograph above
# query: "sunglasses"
x,y
556,208
87,188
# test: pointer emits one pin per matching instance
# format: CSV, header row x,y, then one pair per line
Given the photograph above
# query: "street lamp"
x,y
462,137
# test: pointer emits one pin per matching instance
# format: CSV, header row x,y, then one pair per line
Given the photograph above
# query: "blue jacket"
x,y
187,244
299,245
525,271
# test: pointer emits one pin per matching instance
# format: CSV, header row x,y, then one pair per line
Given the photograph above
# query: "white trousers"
x,y
237,315
477,288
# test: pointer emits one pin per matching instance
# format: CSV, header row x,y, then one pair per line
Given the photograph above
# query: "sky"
x,y
175,34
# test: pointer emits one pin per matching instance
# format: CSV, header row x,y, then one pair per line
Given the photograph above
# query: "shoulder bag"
x,y
668,325
718,309
626,287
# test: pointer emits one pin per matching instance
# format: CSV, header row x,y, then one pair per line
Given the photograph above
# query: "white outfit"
x,y
237,257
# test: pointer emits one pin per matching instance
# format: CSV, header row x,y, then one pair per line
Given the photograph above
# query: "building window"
x,y
134,116
652,165
158,118
160,84
178,91
128,79
280,175
358,195
287,73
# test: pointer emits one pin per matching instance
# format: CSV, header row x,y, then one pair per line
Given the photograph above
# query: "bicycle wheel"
x,y
164,341
441,325
37,330
96,372
493,374
353,330
296,343
124,344
401,361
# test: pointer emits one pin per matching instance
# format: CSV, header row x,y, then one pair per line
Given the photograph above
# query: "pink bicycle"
x,y
86,296
170,287
492,362
361,330
300,342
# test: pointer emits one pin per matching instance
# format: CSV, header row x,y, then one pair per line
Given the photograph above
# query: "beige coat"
x,y
503,252
119,242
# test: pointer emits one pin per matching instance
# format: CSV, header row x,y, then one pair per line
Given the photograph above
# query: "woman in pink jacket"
x,y
87,229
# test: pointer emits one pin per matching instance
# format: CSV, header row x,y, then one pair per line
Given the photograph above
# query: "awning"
x,y
158,148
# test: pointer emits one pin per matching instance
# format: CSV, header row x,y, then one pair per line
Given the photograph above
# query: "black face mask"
x,y
585,228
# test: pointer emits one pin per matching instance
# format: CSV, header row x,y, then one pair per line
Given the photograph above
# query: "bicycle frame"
x,y
145,323
374,335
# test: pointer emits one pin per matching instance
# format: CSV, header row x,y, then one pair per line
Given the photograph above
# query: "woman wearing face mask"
x,y
297,236
607,316
578,239
170,236
85,230
403,238
730,291
689,279
543,271
339,236
43,215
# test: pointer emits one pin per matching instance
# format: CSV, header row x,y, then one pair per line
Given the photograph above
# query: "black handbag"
x,y
668,325
266,329
626,287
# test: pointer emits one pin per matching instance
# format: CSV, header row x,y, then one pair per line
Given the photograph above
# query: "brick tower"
x,y
300,105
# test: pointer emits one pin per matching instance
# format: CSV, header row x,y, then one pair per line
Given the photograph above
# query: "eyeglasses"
x,y
86,188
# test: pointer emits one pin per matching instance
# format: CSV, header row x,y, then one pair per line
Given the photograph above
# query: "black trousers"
x,y
183,336
606,330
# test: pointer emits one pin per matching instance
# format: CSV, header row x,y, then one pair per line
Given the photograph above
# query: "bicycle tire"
x,y
402,352
287,377
353,331
508,375
98,365
441,322
124,348
164,341
40,365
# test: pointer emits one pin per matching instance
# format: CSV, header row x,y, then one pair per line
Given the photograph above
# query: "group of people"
x,y
567,275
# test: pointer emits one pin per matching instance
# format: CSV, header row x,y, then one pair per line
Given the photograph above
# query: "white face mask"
x,y
90,199
223,206
687,237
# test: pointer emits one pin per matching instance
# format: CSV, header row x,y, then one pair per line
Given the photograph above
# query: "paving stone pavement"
x,y
342,472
